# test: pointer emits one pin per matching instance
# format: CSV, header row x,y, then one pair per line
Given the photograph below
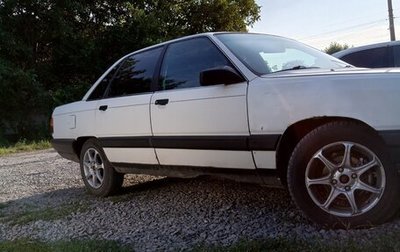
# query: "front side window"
x,y
183,62
136,74
265,54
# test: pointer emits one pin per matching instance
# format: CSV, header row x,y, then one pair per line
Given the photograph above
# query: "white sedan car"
x,y
248,107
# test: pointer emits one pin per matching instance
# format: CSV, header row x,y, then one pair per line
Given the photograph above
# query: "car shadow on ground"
x,y
204,192
202,208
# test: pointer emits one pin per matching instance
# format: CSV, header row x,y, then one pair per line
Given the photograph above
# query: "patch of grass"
x,y
24,146
70,246
387,242
279,244
2,207
47,214
119,198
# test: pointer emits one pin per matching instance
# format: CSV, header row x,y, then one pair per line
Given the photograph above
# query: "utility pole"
x,y
391,22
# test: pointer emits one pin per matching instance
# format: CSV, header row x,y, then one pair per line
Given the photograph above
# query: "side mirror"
x,y
220,75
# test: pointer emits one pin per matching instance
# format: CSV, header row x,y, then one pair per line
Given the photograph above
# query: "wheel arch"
x,y
295,132
78,144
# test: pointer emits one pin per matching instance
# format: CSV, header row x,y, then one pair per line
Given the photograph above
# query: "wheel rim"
x,y
93,167
345,179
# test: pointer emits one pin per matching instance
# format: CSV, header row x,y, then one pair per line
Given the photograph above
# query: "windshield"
x,y
265,54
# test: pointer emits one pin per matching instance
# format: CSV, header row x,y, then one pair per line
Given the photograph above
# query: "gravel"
x,y
152,213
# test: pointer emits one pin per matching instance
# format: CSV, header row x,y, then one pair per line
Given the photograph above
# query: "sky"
x,y
318,23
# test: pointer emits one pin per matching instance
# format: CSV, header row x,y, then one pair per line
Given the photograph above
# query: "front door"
x,y
197,125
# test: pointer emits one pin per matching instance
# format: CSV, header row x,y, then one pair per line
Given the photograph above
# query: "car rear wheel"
x,y
99,176
340,176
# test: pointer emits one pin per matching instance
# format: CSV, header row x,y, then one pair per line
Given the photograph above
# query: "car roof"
x,y
366,47
205,34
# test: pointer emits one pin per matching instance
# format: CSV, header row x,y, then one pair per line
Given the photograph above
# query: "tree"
x,y
51,51
335,47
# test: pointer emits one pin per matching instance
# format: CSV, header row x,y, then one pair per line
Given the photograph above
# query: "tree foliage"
x,y
335,47
51,51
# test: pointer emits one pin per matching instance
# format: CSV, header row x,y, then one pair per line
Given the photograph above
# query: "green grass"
x,y
47,214
24,146
119,198
60,246
3,205
279,244
388,242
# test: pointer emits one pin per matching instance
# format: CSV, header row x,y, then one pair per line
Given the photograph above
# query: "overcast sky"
x,y
318,23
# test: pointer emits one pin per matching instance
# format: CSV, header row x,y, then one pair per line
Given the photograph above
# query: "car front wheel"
x,y
99,176
340,176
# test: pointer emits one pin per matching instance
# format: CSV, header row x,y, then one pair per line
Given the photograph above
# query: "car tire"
x,y
340,176
99,176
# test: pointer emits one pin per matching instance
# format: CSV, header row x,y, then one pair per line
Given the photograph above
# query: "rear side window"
x,y
183,62
136,74
371,58
98,92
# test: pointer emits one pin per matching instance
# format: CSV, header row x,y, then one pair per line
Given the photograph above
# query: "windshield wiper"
x,y
296,68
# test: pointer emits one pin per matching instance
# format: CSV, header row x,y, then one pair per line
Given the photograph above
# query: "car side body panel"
x,y
125,117
206,158
280,100
131,155
213,110
133,110
74,120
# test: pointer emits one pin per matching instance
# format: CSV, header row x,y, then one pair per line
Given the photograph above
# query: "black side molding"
x,y
263,142
201,142
126,142
235,143
66,147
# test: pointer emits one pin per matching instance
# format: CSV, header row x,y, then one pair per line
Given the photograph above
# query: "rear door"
x,y
197,125
123,116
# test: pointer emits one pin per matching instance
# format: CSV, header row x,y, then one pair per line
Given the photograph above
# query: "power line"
x,y
346,28
355,19
391,25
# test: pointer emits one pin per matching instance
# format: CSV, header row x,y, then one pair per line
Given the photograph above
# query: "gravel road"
x,y
151,213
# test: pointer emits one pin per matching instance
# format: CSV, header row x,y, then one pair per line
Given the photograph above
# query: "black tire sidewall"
x,y
342,132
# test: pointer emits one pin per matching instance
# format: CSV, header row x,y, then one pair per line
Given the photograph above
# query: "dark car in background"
x,y
385,54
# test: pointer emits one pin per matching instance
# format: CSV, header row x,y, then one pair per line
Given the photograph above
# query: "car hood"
x,y
334,72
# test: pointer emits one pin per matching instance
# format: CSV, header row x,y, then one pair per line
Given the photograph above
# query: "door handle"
x,y
103,107
162,102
